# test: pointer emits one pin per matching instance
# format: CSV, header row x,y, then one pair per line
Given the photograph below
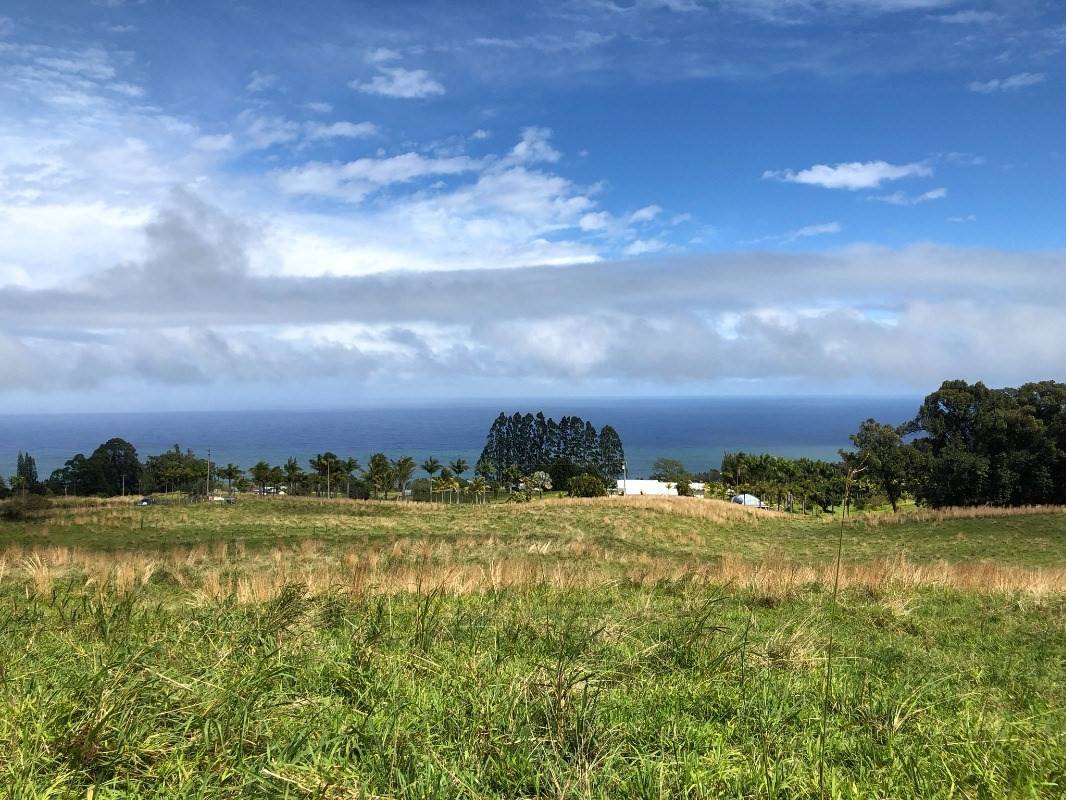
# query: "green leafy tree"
x,y
586,485
887,459
260,473
683,487
539,481
669,470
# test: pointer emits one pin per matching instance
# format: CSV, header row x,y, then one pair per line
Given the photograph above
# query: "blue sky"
x,y
754,196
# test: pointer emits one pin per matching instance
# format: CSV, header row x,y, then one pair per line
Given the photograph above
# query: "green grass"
x,y
613,692
1026,540
668,688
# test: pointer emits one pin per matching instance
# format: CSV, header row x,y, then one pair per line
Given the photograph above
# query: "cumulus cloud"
x,y
1011,84
852,175
400,82
535,145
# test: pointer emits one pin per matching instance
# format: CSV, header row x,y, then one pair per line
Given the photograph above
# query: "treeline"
x,y
971,445
968,445
114,468
523,444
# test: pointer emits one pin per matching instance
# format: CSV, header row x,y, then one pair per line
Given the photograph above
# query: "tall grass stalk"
x,y
827,691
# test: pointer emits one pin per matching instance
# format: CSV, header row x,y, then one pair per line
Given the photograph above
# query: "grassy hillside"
x,y
637,648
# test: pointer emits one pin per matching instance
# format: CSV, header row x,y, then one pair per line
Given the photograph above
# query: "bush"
x,y
684,487
587,485
21,508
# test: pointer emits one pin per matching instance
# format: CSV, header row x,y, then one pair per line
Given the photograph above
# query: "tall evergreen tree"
x,y
611,455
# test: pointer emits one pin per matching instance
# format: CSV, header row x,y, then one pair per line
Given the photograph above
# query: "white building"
x,y
653,488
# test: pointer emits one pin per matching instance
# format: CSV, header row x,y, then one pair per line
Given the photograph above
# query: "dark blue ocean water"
x,y
695,431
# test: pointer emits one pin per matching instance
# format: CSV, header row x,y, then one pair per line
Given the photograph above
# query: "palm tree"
x,y
479,486
403,468
293,475
230,473
459,466
439,485
347,467
431,467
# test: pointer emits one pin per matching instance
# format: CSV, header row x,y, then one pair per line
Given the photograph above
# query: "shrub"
x,y
587,485
684,487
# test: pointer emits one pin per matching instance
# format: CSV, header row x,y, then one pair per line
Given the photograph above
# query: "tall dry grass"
x,y
217,571
711,510
944,514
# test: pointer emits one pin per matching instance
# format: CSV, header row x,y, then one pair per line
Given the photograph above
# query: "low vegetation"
x,y
603,647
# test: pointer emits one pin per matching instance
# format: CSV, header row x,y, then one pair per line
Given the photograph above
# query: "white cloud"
x,y
807,231
595,221
1013,83
535,145
214,143
401,83
966,218
480,134
969,17
263,132
319,107
900,198
261,81
127,89
852,175
354,180
380,55
644,246
646,214
341,130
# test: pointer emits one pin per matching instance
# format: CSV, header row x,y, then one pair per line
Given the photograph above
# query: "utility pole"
x,y
209,472
328,495
123,484
625,477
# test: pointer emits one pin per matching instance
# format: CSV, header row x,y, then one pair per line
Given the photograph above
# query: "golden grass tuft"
x,y
411,565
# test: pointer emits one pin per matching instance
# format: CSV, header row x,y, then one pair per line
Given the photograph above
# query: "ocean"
x,y
695,431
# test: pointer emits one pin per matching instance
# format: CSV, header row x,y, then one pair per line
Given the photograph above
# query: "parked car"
x,y
145,501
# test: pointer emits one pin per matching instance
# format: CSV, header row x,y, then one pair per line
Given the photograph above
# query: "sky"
x,y
268,204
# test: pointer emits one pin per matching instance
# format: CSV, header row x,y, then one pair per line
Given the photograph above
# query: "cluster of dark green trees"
x,y
972,445
968,445
24,481
523,444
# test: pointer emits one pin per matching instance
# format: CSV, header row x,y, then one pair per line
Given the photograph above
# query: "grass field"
x,y
612,648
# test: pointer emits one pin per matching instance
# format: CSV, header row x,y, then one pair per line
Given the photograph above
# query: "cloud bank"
x,y
193,312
